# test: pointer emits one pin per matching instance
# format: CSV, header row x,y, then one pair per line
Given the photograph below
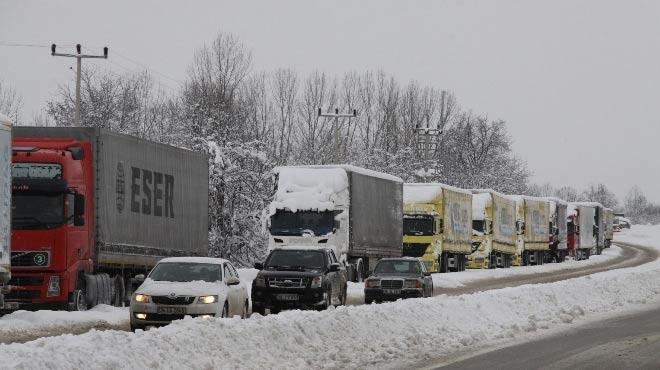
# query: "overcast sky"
x,y
578,82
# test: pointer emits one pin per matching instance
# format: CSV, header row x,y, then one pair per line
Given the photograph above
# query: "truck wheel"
x,y
492,261
444,261
78,302
91,290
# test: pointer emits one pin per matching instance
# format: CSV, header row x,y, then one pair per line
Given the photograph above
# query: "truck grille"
x,y
391,284
32,259
26,281
163,299
287,282
22,295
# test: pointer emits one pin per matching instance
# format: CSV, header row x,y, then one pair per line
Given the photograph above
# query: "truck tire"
x,y
444,261
91,290
101,294
77,301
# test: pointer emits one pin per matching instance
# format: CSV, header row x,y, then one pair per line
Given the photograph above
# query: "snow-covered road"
x,y
392,335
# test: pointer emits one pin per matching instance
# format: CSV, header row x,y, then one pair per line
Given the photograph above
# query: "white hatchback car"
x,y
188,286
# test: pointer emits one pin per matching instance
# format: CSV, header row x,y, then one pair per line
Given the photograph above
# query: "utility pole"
x,y
428,135
336,115
79,58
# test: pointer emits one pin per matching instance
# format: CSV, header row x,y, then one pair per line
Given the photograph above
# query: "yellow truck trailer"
x,y
533,229
493,230
437,225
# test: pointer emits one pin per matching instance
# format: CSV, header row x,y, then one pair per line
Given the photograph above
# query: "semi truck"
x,y
532,227
581,229
558,230
92,208
355,211
493,230
598,224
437,225
5,210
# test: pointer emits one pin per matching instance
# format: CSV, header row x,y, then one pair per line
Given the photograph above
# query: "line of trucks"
x,y
90,209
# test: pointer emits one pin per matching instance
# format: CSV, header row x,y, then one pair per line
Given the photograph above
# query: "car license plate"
x,y
171,310
391,291
287,297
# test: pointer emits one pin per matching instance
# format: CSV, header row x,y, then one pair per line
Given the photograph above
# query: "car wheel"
x,y
225,310
244,315
136,327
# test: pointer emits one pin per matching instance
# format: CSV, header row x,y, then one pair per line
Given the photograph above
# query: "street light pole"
x,y
79,57
336,115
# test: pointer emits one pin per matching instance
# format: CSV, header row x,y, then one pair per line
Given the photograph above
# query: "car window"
x,y
397,266
233,270
226,271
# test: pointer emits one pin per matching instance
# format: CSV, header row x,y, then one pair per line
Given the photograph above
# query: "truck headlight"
x,y
141,298
317,282
53,286
372,283
259,281
412,284
208,299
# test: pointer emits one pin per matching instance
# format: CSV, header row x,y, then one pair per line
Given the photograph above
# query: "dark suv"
x,y
299,278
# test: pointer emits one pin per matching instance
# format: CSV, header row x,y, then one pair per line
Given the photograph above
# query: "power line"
x,y
148,68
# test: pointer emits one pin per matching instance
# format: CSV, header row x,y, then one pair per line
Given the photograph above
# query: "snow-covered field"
x,y
385,335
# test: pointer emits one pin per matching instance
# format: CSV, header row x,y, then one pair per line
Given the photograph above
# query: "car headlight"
x,y
412,284
141,298
372,283
207,299
317,282
259,281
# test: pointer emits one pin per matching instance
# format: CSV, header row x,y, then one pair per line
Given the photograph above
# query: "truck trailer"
x,y
608,216
92,208
5,210
493,230
581,229
558,230
437,225
355,211
598,224
533,220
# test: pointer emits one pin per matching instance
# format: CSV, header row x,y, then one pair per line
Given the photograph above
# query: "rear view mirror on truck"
x,y
79,210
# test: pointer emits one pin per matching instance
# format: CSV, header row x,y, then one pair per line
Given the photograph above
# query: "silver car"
x,y
188,286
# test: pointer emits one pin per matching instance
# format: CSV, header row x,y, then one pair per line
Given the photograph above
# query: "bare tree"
x,y
601,194
11,102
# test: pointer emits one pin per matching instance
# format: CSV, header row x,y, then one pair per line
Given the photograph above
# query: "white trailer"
x,y
5,208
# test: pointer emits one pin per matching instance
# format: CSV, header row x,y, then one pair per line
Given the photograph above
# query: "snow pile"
x,y
26,325
306,188
480,202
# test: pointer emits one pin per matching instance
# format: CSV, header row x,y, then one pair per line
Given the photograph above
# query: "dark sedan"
x,y
395,278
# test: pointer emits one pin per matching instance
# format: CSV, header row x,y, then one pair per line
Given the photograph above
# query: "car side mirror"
x,y
426,273
233,280
334,267
78,210
139,278
258,265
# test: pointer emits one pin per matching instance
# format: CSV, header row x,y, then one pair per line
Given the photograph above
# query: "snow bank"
x,y
25,325
303,188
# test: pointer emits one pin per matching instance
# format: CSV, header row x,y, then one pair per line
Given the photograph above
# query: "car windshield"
x,y
301,222
295,260
398,267
29,211
184,272
417,225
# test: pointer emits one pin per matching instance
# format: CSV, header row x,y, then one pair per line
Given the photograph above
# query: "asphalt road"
x,y
628,342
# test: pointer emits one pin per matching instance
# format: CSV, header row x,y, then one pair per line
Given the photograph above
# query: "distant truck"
x,y
493,230
92,208
581,229
356,211
533,222
558,230
437,225
598,224
609,226
5,209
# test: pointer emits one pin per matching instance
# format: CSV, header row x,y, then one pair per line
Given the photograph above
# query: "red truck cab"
x,y
52,220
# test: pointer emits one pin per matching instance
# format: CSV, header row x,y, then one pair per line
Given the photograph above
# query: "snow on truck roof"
x,y
345,167
480,201
209,260
587,204
426,192
308,188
